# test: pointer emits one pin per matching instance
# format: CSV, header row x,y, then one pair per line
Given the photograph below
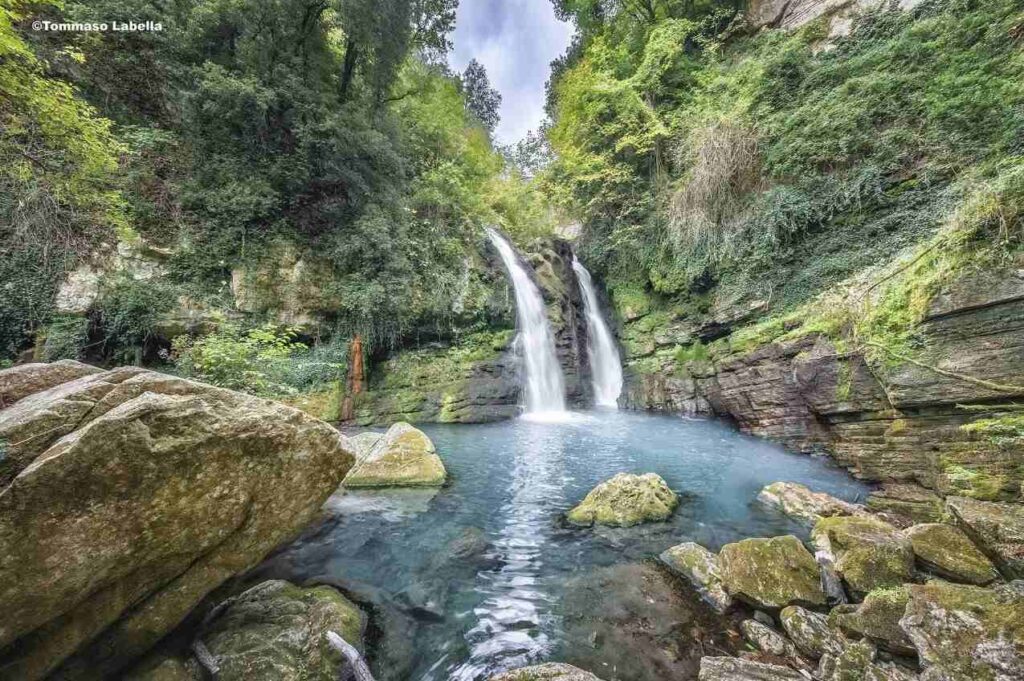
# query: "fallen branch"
x,y
356,665
998,387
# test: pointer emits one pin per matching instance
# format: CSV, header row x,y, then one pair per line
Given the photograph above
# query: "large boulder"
x,y
947,552
27,379
771,573
552,671
998,528
735,669
699,567
811,632
967,633
277,631
878,619
116,524
870,553
403,457
799,502
625,500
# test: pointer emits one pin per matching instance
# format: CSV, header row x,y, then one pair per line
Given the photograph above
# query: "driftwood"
x,y
205,658
356,670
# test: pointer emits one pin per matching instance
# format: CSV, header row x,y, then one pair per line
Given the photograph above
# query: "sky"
x,y
515,40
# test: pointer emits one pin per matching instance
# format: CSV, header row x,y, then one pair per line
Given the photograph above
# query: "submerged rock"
x,y
811,632
403,457
870,553
997,528
636,616
799,502
28,379
948,552
878,619
551,671
734,669
278,631
698,566
771,573
626,500
966,632
160,490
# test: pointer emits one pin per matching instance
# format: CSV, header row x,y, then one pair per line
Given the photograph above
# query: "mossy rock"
x,y
870,553
771,573
546,672
277,631
626,500
811,632
967,633
878,618
403,457
698,566
947,552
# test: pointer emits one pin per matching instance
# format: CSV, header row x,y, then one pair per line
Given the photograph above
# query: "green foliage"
x,y
333,128
266,360
129,312
794,167
57,196
65,337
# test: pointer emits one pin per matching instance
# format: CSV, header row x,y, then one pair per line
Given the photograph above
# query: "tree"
x,y
482,100
433,21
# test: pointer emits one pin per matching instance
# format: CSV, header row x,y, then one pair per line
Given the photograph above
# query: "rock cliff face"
x,y
903,424
126,496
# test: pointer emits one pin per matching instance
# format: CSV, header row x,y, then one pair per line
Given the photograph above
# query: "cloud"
x,y
515,40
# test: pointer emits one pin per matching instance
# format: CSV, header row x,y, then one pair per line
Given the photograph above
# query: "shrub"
x,y
265,360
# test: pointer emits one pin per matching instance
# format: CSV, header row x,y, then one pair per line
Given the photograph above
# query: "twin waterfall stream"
x,y
544,388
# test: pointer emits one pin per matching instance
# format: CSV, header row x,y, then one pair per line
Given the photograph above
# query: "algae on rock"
x,y
771,573
403,457
625,500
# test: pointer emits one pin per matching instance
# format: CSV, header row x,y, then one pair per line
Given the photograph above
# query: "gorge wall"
x,y
906,423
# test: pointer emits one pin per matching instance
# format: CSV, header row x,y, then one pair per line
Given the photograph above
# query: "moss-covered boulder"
x,y
967,633
699,567
626,500
277,631
869,553
947,552
771,573
811,632
766,639
878,619
166,668
162,490
403,457
997,528
551,671
735,669
801,503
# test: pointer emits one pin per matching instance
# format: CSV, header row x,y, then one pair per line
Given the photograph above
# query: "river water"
x,y
483,575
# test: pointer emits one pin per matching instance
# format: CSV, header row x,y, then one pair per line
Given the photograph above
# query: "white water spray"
x,y
545,391
605,364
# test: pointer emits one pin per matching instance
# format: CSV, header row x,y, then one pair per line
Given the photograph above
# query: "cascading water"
x,y
545,391
605,364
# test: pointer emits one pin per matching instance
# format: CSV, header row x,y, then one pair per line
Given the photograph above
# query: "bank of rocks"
x,y
909,603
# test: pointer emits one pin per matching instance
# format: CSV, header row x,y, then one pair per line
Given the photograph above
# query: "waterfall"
x,y
544,389
605,365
